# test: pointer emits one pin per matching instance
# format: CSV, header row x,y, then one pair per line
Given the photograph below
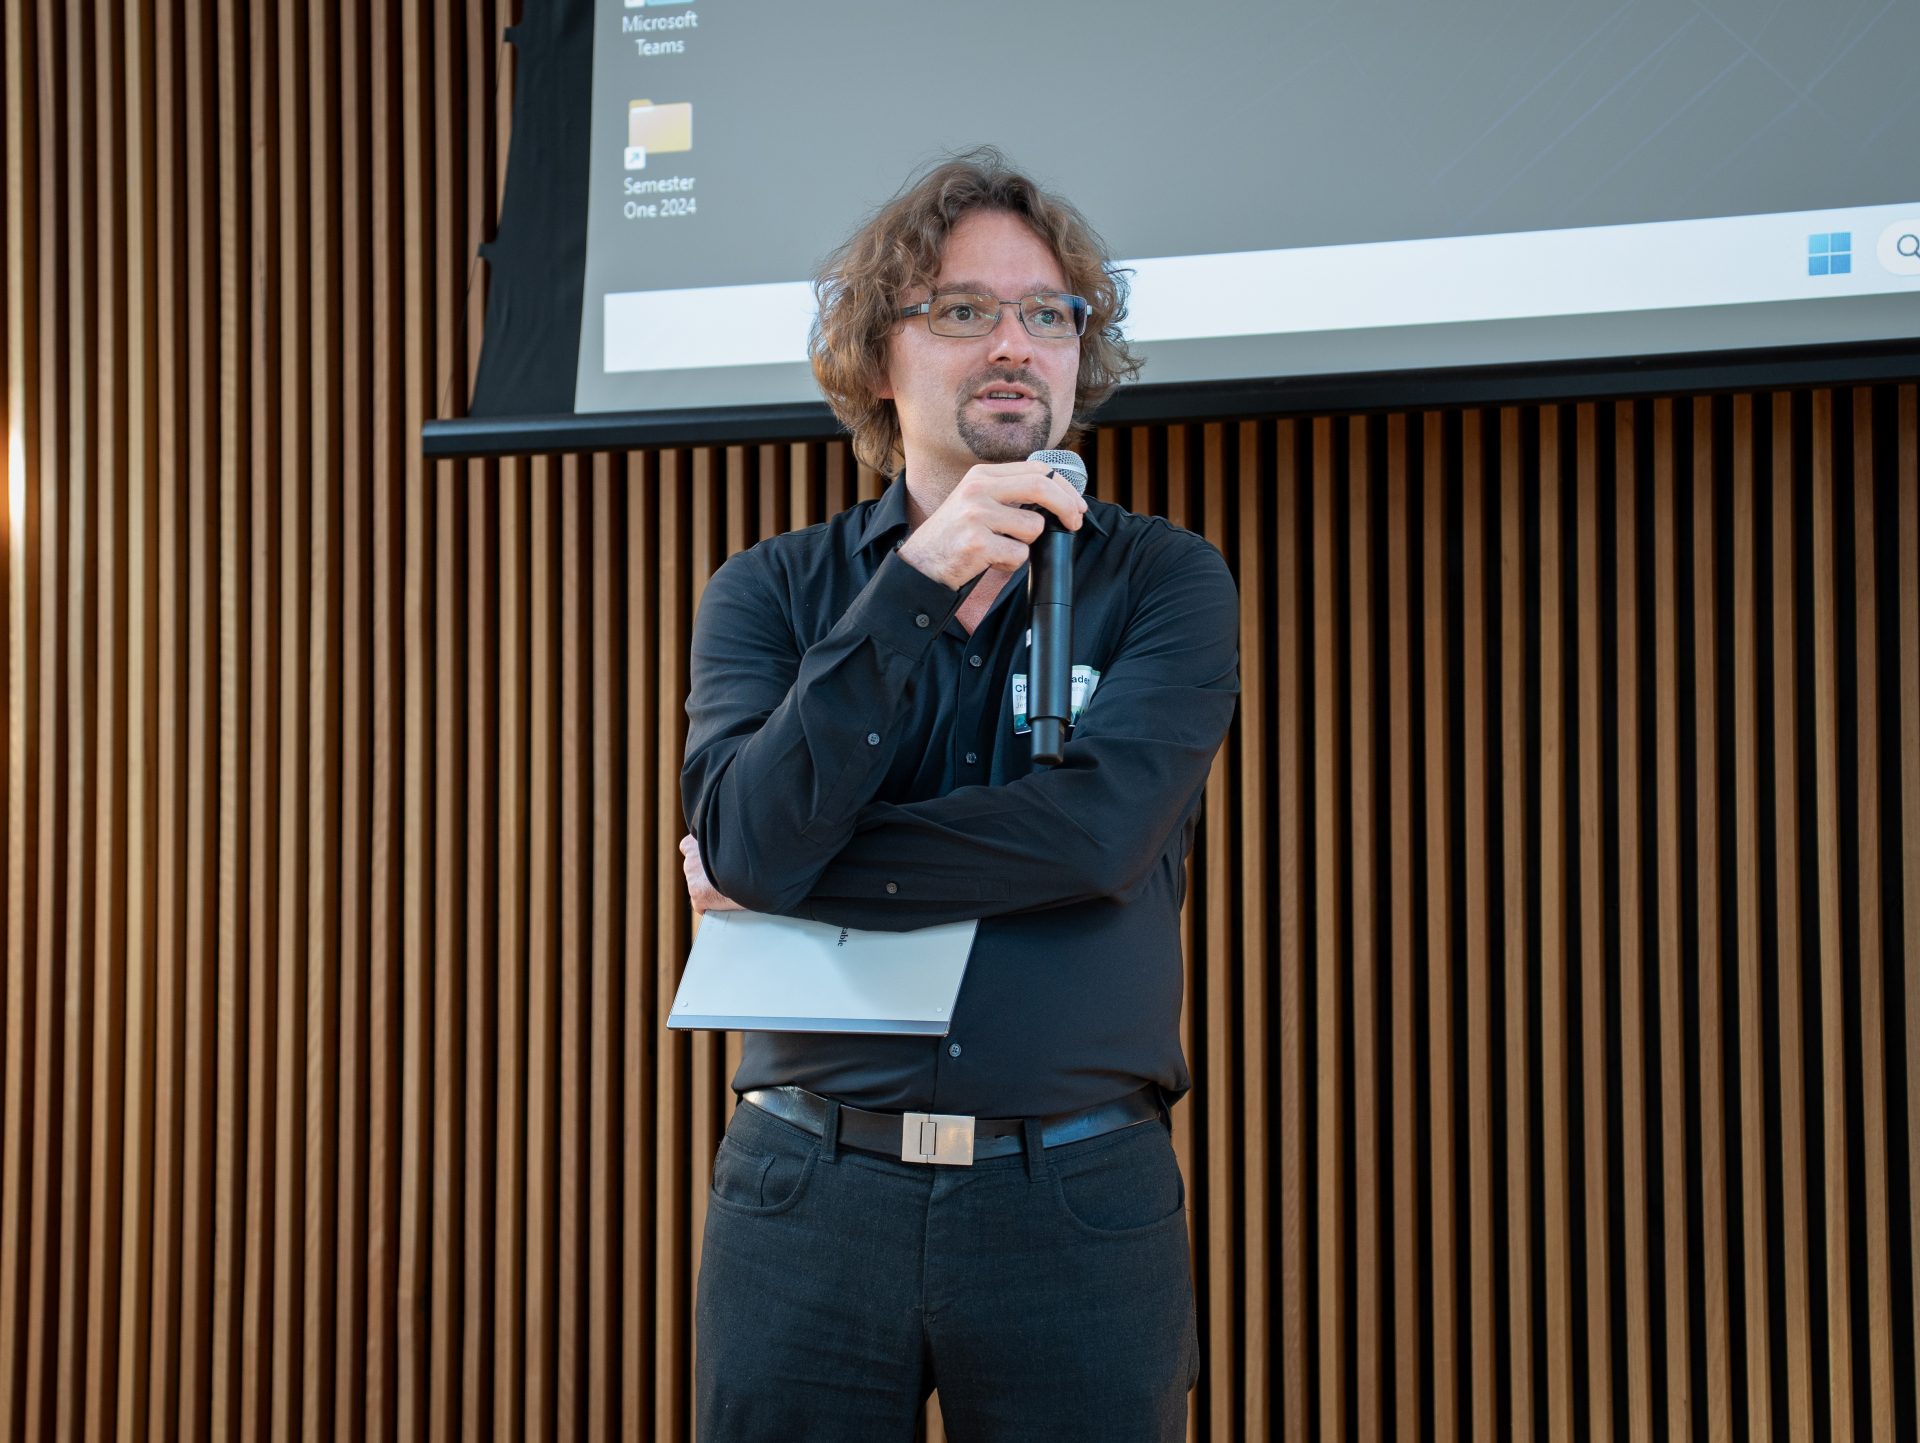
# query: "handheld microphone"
x,y
1050,601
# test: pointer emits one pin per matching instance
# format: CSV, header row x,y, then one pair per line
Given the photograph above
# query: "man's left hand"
x,y
701,892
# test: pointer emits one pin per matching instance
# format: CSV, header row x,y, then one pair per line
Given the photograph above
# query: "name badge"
x,y
1084,680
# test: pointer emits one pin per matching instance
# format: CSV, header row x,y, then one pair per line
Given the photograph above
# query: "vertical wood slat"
x,y
296,485
112,961
412,1286
1478,958
838,459
1369,1316
1707,750
386,908
1595,1072
572,963
483,870
539,1320
437,1212
1141,469
1556,1134
349,1148
139,1240
1440,868
510,1172
1290,573
219,589
22,544
75,702
1331,1051
639,1022
599,1413
1755,1135
451,976
478,1225
267,554
1826,789
324,950
1871,964
1786,785
1516,857
1406,1263
1627,849
1833,1034
1185,1126
1672,1003
171,633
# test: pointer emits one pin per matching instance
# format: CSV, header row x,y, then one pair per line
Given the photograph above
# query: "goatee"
x,y
1003,437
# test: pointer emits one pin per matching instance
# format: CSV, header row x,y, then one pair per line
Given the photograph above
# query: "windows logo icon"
x,y
1830,253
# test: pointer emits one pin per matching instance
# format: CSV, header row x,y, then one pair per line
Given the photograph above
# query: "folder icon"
x,y
660,128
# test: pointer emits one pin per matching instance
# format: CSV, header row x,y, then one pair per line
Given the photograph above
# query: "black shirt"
x,y
853,757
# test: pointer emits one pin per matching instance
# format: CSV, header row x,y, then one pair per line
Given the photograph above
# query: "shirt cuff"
x,y
904,609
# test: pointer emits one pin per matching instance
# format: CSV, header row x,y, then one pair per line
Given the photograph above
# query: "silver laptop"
x,y
751,972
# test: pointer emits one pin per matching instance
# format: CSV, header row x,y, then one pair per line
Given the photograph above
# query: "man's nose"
x,y
1010,339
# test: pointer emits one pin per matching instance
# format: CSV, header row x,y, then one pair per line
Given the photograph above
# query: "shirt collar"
x,y
889,515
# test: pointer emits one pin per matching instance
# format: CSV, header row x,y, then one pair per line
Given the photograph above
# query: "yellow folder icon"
x,y
660,128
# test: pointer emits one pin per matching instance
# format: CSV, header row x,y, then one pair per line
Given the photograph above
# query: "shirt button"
x,y
873,739
972,757
892,887
953,1049
923,620
974,661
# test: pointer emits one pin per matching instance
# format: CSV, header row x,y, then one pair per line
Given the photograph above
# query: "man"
x,y
857,754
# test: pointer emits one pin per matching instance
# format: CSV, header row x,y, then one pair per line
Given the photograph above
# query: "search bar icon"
x,y
1899,247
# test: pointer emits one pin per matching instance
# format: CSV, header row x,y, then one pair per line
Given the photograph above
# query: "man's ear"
x,y
883,389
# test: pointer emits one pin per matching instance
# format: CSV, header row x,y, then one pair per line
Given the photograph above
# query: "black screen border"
x,y
1609,378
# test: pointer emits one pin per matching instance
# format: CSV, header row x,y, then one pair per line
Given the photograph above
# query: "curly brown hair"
x,y
899,247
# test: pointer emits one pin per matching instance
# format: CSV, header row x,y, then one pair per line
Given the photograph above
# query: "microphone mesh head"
x,y
1067,463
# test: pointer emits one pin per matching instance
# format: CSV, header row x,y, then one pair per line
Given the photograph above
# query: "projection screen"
x,y
1351,201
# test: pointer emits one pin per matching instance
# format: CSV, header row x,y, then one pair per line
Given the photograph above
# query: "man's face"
x,y
997,397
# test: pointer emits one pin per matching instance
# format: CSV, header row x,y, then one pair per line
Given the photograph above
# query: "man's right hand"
x,y
984,522
701,893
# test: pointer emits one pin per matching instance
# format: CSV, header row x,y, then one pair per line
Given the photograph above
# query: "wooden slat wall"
x,y
1554,938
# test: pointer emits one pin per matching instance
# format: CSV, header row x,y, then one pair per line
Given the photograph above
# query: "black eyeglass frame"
x,y
1077,305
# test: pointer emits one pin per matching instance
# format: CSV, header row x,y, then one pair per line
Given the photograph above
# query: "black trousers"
x,y
1047,1295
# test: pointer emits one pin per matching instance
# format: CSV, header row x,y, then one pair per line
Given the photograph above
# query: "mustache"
x,y
1008,376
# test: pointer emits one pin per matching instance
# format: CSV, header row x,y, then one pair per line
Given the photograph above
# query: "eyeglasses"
x,y
1047,315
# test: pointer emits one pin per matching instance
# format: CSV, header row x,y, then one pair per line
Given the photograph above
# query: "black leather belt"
x,y
946,1137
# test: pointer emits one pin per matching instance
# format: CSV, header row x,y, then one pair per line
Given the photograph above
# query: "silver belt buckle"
x,y
936,1137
